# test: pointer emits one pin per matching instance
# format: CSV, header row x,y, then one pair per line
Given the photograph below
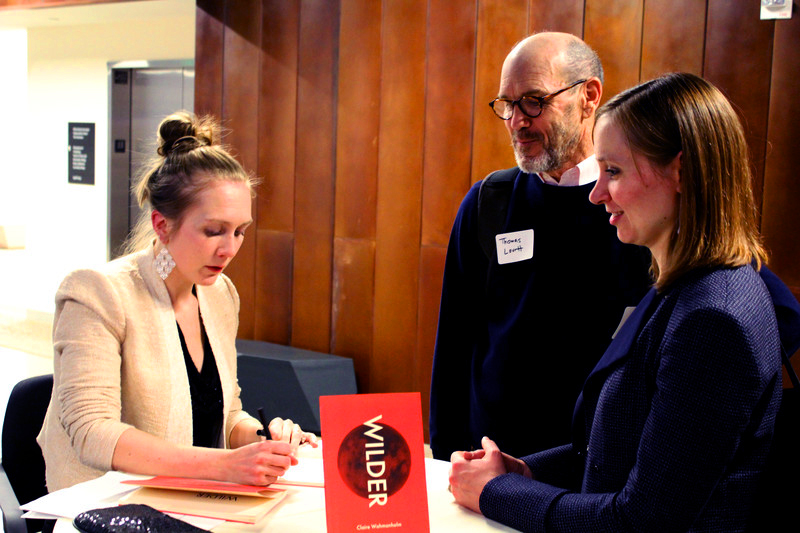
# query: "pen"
x,y
263,432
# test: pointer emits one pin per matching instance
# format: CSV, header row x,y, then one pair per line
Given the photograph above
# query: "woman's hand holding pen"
x,y
259,463
255,461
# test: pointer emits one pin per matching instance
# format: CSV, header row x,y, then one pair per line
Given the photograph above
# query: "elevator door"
x,y
140,98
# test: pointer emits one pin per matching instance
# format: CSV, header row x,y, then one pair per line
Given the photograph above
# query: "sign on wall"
x,y
81,153
776,9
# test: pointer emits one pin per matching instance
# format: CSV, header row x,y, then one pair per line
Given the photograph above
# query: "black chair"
x,y
22,472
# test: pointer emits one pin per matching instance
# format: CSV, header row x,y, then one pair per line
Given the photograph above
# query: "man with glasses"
x,y
535,279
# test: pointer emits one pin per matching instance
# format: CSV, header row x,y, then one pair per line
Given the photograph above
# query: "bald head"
x,y
559,55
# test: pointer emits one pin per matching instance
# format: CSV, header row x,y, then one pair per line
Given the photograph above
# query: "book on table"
x,y
199,497
373,463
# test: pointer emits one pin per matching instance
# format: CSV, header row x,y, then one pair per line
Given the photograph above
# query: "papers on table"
x,y
306,473
107,490
224,506
104,491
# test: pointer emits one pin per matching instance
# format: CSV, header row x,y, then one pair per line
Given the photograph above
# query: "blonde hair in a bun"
x,y
189,158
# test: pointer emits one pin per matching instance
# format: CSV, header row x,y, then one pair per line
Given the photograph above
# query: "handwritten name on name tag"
x,y
515,246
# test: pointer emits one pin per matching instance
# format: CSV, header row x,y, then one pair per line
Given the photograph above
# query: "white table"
x,y
303,511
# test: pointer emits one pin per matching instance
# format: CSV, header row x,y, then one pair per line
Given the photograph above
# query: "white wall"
x,y
67,81
13,109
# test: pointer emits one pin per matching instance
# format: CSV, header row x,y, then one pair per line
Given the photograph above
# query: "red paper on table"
x,y
204,485
374,463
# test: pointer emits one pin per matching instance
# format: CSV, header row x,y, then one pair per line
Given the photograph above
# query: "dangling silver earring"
x,y
164,263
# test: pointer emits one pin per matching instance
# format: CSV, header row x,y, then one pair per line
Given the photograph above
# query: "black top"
x,y
206,391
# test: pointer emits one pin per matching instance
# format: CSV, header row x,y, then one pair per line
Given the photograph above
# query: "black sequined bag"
x,y
131,518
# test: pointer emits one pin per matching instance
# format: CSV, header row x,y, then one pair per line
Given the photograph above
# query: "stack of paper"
x,y
211,499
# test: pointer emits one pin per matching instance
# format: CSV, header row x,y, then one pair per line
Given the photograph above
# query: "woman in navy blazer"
x,y
673,426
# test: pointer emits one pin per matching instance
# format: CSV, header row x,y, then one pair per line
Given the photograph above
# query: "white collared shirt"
x,y
587,171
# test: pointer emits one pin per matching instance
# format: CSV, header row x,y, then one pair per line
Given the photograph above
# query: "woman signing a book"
x,y
145,360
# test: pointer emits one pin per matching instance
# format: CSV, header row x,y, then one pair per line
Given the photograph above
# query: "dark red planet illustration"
x,y
374,461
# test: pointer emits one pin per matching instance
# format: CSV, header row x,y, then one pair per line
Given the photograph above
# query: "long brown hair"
x,y
190,157
684,114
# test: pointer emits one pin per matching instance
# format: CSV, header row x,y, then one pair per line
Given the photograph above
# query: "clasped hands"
x,y
471,471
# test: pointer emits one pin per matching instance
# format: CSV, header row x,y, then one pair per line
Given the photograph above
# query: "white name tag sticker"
x,y
515,246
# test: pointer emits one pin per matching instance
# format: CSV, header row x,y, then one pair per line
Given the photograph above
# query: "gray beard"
x,y
546,161
554,156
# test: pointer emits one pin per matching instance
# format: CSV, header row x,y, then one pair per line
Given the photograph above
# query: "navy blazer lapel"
x,y
618,349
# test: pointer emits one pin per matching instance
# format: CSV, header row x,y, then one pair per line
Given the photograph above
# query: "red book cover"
x,y
374,463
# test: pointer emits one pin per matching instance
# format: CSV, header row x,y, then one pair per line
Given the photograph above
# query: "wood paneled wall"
x,y
368,121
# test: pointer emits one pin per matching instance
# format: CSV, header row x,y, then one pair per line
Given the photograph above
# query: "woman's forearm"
x,y
139,452
258,463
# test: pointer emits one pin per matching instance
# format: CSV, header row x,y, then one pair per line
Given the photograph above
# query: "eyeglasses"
x,y
530,105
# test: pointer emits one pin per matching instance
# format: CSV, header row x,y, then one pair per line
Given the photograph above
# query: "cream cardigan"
x,y
118,363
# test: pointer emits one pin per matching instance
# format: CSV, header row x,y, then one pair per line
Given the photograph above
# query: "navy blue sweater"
x,y
516,341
